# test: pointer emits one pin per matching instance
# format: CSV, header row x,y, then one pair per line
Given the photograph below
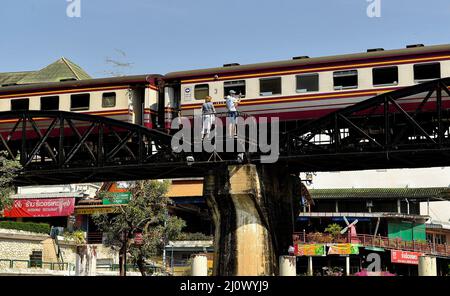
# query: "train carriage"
x,y
130,99
307,88
295,90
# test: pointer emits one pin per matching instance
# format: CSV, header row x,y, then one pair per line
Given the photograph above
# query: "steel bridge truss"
x,y
405,128
57,146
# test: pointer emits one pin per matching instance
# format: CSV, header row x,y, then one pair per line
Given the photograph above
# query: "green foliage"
x,y
334,230
77,236
26,226
8,171
146,213
195,236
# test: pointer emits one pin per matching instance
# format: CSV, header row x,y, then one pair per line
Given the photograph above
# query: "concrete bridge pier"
x,y
252,209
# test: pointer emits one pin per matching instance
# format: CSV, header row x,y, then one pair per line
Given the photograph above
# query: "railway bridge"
x,y
249,202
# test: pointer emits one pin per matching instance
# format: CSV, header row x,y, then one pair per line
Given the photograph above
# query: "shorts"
x,y
233,115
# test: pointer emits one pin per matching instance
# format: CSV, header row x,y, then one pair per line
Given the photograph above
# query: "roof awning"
x,y
48,195
432,193
363,215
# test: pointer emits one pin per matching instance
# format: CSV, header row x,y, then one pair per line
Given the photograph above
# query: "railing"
x,y
129,267
94,237
19,263
375,241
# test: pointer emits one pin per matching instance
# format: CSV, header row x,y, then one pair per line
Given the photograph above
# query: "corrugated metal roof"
x,y
11,78
62,69
48,195
355,193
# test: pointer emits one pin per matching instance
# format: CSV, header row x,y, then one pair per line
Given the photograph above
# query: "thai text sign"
x,y
309,250
405,257
46,207
344,249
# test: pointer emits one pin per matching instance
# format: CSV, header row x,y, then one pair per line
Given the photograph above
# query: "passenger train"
x,y
295,90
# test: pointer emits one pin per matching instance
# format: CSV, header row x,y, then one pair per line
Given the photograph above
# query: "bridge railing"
x,y
374,241
27,264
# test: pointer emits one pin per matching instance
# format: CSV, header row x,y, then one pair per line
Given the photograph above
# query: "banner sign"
x,y
118,198
344,249
309,250
405,257
45,207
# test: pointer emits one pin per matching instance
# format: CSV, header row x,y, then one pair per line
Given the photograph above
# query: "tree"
x,y
8,171
334,230
146,215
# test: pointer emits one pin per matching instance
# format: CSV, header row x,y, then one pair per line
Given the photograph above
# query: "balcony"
x,y
368,240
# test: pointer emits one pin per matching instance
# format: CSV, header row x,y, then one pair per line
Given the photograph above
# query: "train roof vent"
x,y
414,45
300,57
375,49
231,64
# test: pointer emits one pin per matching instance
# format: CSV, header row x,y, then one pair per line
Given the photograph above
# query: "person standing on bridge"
x,y
232,101
208,116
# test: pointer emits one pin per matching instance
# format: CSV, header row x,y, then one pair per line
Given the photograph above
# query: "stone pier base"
x,y
253,215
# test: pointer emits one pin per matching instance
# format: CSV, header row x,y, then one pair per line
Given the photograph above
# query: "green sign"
x,y
118,198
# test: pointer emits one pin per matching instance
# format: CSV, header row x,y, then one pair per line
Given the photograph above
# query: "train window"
x,y
50,103
385,76
307,82
201,91
79,102
238,86
20,104
109,99
270,86
427,71
345,79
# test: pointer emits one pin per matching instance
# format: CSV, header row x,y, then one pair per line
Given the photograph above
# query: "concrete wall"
x,y
19,245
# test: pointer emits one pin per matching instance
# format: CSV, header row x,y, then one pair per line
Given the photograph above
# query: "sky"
x,y
161,36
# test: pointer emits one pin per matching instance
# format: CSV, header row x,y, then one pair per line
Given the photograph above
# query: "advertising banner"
x,y
344,249
309,250
45,207
405,257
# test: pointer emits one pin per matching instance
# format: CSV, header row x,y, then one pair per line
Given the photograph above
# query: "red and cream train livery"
x,y
299,89
307,88
131,99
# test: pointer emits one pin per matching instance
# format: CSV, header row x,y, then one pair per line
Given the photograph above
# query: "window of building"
x,y
50,103
427,71
109,99
345,79
79,102
385,76
270,86
20,104
439,239
307,82
238,86
201,91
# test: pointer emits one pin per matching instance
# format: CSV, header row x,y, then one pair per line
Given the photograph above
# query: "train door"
x,y
138,105
169,105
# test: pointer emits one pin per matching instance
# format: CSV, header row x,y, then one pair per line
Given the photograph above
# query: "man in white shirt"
x,y
232,102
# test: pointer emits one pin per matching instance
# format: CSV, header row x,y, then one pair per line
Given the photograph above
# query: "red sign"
x,y
138,239
46,207
405,257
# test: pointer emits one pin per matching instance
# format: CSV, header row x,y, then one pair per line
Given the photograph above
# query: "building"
x,y
61,70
